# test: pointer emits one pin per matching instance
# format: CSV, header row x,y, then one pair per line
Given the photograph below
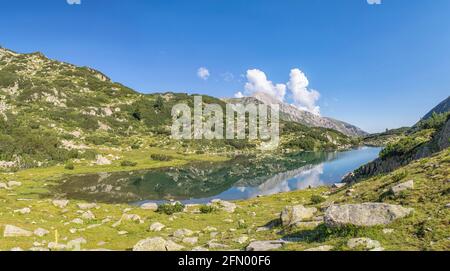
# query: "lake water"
x,y
240,178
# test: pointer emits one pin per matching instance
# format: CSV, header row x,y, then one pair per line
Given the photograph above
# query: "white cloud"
x,y
257,82
304,98
74,2
239,95
203,73
374,2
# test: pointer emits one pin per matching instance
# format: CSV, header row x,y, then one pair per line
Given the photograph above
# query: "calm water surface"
x,y
241,178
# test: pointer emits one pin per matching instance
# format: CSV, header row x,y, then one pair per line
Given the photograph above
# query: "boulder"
x,y
3,186
294,214
339,185
264,245
396,190
149,206
366,214
13,231
156,244
88,215
151,244
157,226
223,205
101,161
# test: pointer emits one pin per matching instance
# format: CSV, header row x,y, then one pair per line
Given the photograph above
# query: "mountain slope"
x,y
291,113
54,112
443,107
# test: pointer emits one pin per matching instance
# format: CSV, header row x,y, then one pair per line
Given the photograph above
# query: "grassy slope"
x,y
427,229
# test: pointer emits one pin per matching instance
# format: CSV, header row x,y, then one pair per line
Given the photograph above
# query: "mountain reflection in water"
x,y
240,178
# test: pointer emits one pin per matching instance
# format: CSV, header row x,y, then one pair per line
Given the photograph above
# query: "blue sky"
x,y
375,66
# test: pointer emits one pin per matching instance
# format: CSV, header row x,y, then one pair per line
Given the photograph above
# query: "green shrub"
x,y
160,157
170,209
127,163
206,209
69,166
316,199
399,176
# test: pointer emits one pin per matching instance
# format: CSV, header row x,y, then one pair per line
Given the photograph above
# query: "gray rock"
x,y
338,185
13,231
156,244
396,190
41,232
77,221
182,233
149,206
86,206
61,203
321,248
264,245
14,183
209,229
157,226
447,205
366,214
214,245
151,244
200,249
88,215
23,211
241,240
223,205
190,240
363,243
3,186
294,214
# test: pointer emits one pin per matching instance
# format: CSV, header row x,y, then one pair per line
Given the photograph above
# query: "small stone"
x,y
13,231
209,229
77,221
182,233
88,215
200,249
447,206
241,240
86,206
3,186
190,240
60,203
388,231
14,184
41,232
215,245
149,206
264,245
396,190
363,242
23,211
321,248
157,226
122,232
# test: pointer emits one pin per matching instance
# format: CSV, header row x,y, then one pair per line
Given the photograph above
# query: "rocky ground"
x,y
405,210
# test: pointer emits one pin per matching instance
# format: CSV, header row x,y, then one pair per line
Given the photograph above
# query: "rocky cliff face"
x,y
440,141
443,107
291,113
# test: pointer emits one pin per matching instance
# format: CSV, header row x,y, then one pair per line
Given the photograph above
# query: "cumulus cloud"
x,y
304,98
374,2
203,73
239,95
74,2
257,82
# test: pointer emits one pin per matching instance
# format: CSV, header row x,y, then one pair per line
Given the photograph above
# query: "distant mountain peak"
x,y
292,113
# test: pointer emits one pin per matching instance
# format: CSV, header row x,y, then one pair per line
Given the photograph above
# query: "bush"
x,y
127,163
316,199
160,157
69,166
399,176
206,209
170,209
